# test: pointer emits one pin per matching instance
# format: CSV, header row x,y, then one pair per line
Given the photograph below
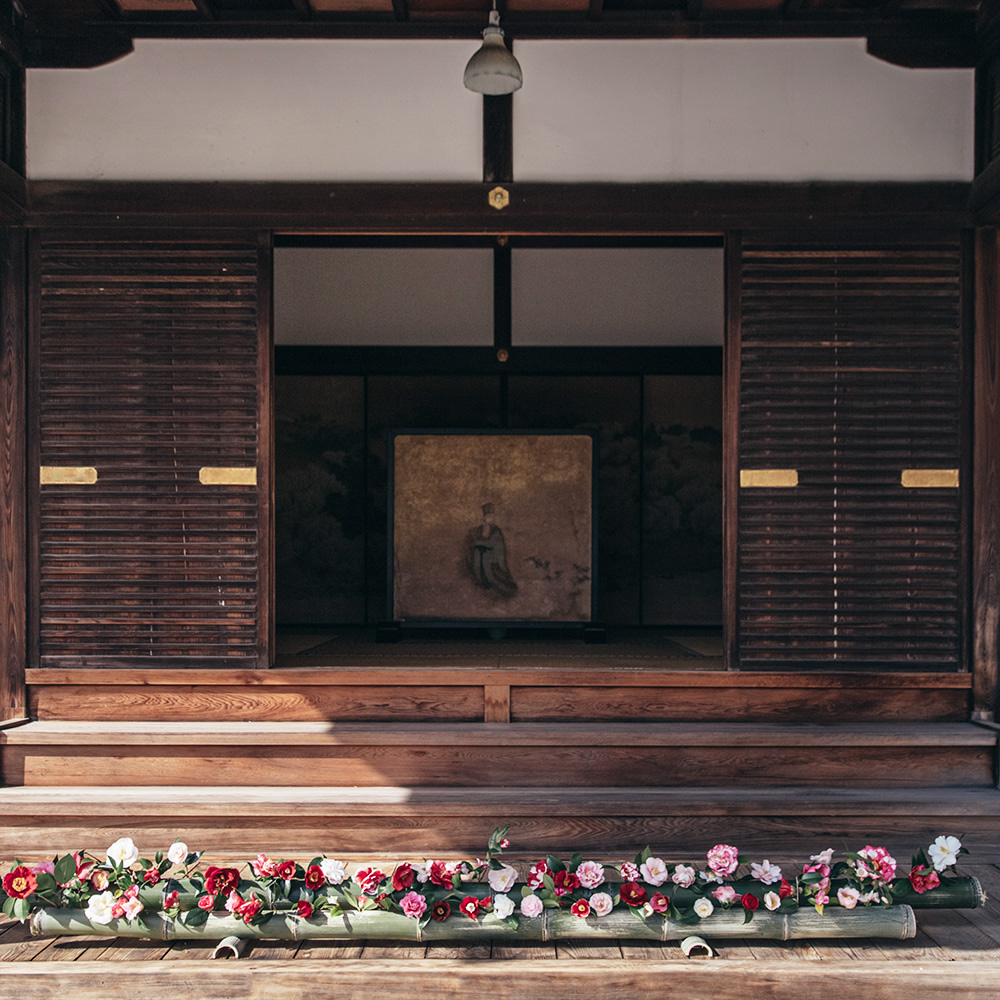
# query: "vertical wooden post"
x,y
13,475
266,634
731,449
986,479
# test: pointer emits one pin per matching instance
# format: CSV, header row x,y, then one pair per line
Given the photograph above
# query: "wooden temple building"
x,y
751,246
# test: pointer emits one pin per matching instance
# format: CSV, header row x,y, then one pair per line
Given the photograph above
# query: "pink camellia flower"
x,y
233,902
921,879
304,909
601,903
823,858
369,879
44,868
590,874
132,892
766,872
820,900
848,897
502,879
772,900
723,859
654,871
117,909
684,876
659,903
413,905
470,906
725,894
537,873
581,909
629,872
531,906
206,902
263,866
876,863
132,908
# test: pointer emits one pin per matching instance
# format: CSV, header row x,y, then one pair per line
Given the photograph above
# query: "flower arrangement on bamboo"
x,y
173,884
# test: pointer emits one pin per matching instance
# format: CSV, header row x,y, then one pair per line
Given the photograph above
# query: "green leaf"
x,y
159,856
195,918
555,865
636,912
46,882
575,861
526,890
8,906
22,910
548,883
550,904
65,868
747,916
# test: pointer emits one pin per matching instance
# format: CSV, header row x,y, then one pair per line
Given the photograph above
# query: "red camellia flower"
x,y
286,870
537,874
151,876
369,879
659,902
470,907
441,873
402,877
440,911
749,901
785,889
221,881
565,882
314,877
170,900
20,882
248,909
305,909
632,894
922,880
581,908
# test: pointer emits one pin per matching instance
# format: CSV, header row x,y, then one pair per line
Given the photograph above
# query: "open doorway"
x,y
623,340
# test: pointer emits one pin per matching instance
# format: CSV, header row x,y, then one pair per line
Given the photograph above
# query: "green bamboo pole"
x,y
897,922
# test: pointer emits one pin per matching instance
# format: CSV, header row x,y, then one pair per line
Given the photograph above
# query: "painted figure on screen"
x,y
486,555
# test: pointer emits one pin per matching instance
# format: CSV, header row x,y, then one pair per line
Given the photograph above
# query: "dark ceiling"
x,y
89,32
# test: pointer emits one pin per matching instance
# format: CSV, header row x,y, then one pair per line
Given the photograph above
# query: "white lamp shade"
x,y
493,69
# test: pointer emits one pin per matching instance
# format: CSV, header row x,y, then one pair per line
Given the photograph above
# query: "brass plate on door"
x,y
924,479
770,478
213,476
67,475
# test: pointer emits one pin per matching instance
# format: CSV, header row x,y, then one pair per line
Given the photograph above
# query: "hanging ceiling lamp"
x,y
493,69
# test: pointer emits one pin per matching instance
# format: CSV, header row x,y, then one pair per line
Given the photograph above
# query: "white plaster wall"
x,y
781,110
343,110
260,110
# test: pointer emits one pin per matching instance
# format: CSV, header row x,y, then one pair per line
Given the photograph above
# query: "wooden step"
x,y
482,754
418,822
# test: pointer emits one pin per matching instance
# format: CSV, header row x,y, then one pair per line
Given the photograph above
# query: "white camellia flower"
x,y
333,871
766,872
772,900
123,852
944,852
178,852
654,871
99,908
848,897
823,858
684,876
503,906
601,903
502,879
703,907
422,870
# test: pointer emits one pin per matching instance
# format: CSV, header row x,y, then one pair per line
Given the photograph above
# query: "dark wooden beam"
x,y
986,480
537,209
13,196
498,138
13,475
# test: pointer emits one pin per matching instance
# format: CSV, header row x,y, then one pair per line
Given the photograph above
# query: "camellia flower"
x,y
44,867
99,879
848,897
725,894
723,859
470,906
219,881
440,911
654,871
632,894
629,872
442,873
749,901
285,870
766,872
503,906
402,877
921,879
20,882
645,911
177,852
772,900
659,903
99,908
151,876
263,866
502,879
785,889
703,907
206,902
531,906
944,852
581,909
333,871
123,852
132,907
537,873
314,877
171,899
247,910
602,904
565,882
118,909
684,876
590,874
304,909
876,863
369,879
823,858
413,905
233,902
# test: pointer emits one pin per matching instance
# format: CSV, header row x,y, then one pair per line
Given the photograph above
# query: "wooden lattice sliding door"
x,y
851,369
150,384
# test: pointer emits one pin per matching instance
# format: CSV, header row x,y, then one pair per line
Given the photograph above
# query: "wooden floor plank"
x,y
588,949
394,951
523,950
322,950
467,952
86,947
274,951
958,936
189,951
784,951
17,944
133,950
652,951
